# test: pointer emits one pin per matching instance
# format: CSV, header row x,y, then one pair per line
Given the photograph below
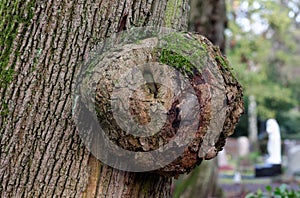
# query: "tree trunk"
x,y
209,19
41,46
252,119
199,183
42,49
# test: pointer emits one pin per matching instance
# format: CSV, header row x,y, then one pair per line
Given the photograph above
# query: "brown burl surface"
x,y
218,92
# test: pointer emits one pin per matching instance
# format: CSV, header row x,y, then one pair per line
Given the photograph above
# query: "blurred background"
x,y
261,39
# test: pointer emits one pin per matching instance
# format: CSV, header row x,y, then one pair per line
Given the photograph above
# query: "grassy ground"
x,y
234,190
249,183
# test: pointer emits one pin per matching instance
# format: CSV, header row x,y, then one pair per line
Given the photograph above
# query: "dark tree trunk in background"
x,y
208,17
41,46
201,182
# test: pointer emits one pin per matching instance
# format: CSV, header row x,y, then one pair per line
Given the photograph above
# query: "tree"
x,y
42,46
209,19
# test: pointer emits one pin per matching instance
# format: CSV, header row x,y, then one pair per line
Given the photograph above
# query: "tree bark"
x,y
199,183
42,44
201,100
209,19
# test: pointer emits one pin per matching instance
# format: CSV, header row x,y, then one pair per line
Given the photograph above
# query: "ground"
x,y
248,183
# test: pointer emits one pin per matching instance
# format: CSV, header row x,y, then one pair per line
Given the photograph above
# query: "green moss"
x,y
172,11
178,61
187,54
182,51
223,62
5,109
14,14
204,46
225,65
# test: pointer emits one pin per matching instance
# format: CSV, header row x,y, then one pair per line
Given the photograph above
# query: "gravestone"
x,y
274,142
243,146
273,162
222,159
237,178
288,144
293,160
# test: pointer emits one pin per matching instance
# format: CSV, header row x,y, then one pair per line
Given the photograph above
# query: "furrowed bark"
x,y
42,46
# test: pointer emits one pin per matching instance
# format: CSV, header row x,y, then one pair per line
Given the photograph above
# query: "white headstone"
x,y
294,160
237,178
243,146
222,158
274,142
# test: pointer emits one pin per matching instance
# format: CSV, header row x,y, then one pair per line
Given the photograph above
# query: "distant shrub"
x,y
279,192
